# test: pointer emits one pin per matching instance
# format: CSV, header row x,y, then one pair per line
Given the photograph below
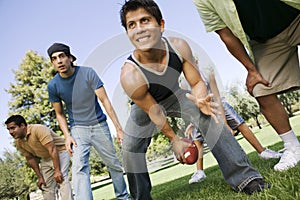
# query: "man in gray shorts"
x,y
263,36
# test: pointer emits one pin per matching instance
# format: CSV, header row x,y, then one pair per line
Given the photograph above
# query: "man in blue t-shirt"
x,y
80,88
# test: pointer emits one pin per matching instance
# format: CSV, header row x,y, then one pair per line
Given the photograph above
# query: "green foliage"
x,y
244,104
118,148
30,99
29,91
248,108
160,146
289,99
16,178
97,165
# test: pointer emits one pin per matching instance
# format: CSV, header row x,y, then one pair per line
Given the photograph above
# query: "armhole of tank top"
x,y
135,65
174,49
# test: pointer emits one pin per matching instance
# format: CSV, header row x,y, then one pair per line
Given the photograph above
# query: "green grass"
x,y
285,185
172,183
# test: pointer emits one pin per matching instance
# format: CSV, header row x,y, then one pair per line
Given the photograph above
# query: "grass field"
x,y
172,183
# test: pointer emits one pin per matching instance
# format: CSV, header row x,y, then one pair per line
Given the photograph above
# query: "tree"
x,y
97,165
29,92
30,99
16,179
289,99
160,145
245,105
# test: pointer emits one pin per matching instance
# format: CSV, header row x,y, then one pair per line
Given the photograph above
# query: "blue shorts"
x,y
196,135
232,117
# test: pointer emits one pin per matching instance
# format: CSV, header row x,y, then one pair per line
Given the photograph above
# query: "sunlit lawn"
x,y
172,183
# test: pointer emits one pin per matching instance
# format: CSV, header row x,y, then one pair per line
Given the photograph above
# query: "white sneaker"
x,y
268,153
197,177
289,158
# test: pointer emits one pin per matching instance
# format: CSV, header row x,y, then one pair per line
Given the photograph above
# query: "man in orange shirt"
x,y
38,141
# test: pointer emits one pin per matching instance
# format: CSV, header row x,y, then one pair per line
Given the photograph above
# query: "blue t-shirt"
x,y
78,94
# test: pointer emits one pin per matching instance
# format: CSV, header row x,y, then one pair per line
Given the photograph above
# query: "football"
x,y
190,153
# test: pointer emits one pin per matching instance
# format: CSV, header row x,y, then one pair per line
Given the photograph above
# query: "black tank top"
x,y
264,19
162,84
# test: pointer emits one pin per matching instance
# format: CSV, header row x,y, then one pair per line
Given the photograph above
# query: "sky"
x,y
93,30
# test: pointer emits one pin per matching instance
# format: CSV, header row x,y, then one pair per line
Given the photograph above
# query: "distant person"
x,y
80,88
150,79
192,133
263,36
232,119
235,122
38,141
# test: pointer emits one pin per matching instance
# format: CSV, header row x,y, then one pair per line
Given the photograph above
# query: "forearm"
x,y
236,48
158,117
217,97
62,122
102,96
112,114
55,158
35,166
199,90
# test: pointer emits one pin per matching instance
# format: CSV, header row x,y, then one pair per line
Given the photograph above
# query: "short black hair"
x,y
132,5
18,119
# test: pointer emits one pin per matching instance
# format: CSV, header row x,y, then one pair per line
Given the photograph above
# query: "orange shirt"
x,y
36,137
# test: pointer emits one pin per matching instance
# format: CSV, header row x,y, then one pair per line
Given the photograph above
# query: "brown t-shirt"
x,y
36,137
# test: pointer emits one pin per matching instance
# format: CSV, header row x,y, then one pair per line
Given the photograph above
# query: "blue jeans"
x,y
99,137
231,158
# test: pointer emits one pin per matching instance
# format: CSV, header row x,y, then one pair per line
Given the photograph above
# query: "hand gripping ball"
x,y
191,152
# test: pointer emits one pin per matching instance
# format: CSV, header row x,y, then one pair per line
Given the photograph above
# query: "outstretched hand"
x,y
253,78
206,105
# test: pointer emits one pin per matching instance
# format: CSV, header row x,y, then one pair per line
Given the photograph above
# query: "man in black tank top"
x,y
270,55
150,79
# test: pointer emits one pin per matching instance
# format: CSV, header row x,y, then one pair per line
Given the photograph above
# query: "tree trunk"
x,y
257,122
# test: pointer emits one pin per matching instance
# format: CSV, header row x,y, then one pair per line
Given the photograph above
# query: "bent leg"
x,y
137,137
275,113
49,190
233,161
65,188
234,164
250,137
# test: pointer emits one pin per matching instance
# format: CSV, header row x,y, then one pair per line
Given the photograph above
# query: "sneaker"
x,y
236,133
268,153
197,177
281,150
289,159
256,185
